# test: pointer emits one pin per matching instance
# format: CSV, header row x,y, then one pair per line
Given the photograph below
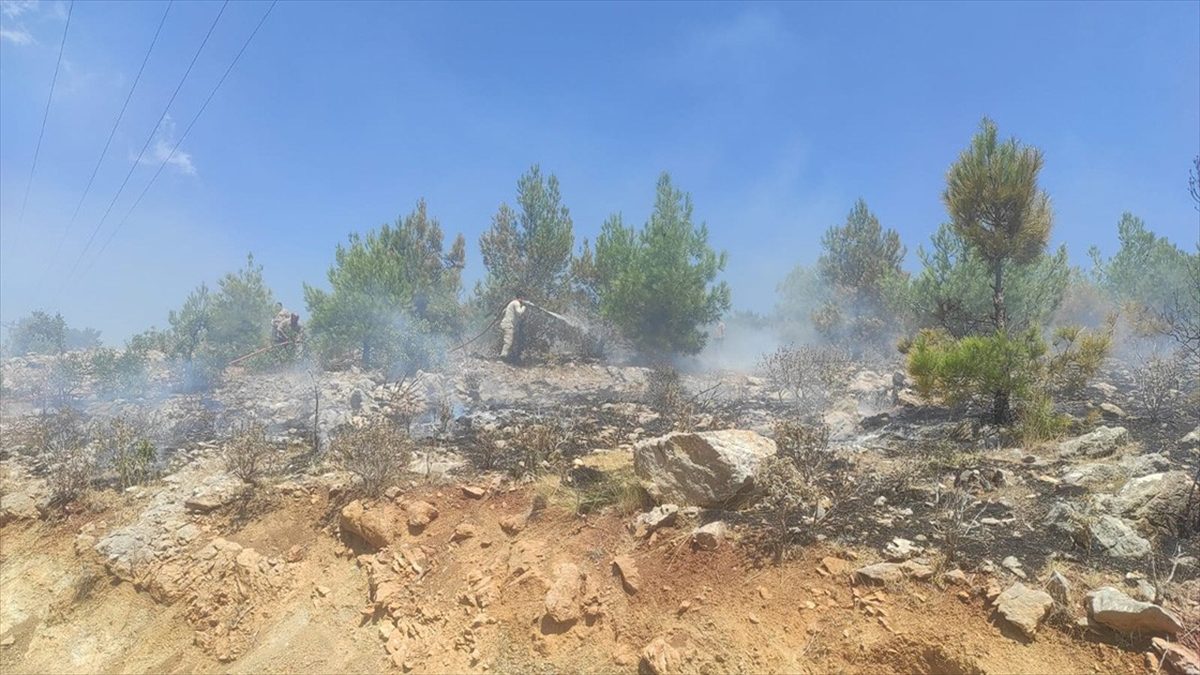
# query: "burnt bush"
x,y
249,454
71,467
810,375
377,454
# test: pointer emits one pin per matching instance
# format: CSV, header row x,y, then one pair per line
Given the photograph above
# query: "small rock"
x,y
512,525
900,549
889,572
1024,607
1112,608
1059,588
563,600
463,532
627,569
1117,539
660,658
956,577
1013,565
1177,658
1111,411
709,537
656,518
420,514
473,492
323,591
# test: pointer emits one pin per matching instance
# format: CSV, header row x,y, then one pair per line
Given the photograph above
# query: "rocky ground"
x,y
948,547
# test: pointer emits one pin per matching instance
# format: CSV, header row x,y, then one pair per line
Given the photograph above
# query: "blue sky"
x,y
776,117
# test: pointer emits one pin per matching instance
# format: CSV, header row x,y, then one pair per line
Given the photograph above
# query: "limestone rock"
x,y
1118,540
1191,441
660,658
463,532
656,518
370,526
708,469
1112,608
1178,659
1024,607
1099,442
564,599
890,572
627,569
420,514
709,537
1154,498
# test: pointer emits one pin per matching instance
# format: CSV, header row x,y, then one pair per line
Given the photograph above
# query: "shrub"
x,y
377,454
249,454
1076,356
40,333
812,375
119,373
1158,381
803,476
1019,372
785,494
976,368
541,442
71,464
126,449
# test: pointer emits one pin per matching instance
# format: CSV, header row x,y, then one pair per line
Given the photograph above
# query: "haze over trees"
x,y
393,292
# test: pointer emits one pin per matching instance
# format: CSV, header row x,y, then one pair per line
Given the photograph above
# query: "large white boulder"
x,y
1122,613
708,469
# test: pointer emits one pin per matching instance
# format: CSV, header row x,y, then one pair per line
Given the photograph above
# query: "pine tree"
x,y
997,208
392,291
528,251
658,285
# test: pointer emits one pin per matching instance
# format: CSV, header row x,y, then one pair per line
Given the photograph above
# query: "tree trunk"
x,y
999,314
1000,407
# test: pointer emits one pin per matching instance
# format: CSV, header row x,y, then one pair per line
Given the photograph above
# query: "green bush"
x,y
127,450
40,333
976,368
1020,369
212,329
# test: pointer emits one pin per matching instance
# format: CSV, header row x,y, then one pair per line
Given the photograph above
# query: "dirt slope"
x,y
480,604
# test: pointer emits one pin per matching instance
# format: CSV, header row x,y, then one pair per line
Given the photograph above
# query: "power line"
x,y
37,149
149,138
113,131
199,112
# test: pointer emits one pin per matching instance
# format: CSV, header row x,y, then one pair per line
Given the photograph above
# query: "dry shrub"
x,y
1158,382
126,448
803,477
249,454
811,375
956,520
377,454
541,442
667,396
70,463
403,402
785,494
